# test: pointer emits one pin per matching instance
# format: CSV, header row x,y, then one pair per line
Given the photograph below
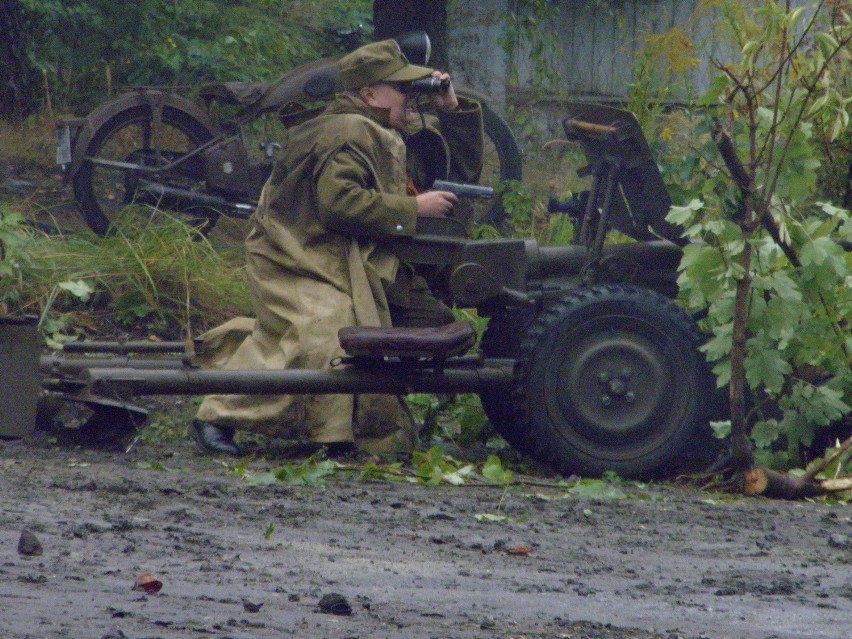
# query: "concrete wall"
x,y
477,60
597,45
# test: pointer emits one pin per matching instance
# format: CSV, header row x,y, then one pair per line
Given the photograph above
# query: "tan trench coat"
x,y
318,261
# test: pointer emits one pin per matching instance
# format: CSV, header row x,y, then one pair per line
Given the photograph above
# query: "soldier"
x,y
319,256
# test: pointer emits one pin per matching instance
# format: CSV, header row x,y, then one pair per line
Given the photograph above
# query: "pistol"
x,y
464,190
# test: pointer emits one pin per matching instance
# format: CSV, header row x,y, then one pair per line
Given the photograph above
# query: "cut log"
x,y
769,483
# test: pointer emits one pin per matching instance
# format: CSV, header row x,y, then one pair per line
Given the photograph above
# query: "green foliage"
x,y
840,464
372,471
160,271
131,307
311,472
517,202
494,472
86,50
14,258
661,73
497,518
783,104
433,467
603,489
456,418
529,34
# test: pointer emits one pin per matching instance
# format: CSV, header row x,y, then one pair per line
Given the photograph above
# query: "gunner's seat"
x,y
433,343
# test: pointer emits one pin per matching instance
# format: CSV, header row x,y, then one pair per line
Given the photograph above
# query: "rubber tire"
x,y
509,154
84,195
559,393
501,339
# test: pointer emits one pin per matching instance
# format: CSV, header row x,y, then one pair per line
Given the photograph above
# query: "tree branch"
x,y
739,173
789,57
825,462
774,231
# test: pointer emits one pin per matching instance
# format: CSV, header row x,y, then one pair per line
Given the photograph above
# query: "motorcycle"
x,y
194,155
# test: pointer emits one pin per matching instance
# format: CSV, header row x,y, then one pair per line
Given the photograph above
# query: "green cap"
x,y
378,62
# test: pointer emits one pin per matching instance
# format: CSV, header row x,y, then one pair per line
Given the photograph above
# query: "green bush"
x,y
87,50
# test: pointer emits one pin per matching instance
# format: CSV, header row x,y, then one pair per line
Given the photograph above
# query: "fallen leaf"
x,y
147,583
520,550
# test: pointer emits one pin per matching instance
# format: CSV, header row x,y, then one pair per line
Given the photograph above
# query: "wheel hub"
x,y
615,384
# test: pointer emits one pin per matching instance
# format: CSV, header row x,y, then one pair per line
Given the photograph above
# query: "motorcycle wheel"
x,y
502,161
611,379
103,192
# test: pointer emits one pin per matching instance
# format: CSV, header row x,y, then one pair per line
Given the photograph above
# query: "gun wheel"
x,y
611,379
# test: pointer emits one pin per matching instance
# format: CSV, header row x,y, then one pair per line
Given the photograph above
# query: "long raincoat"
x,y
318,259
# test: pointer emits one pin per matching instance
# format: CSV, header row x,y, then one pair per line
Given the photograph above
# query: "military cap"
x,y
378,62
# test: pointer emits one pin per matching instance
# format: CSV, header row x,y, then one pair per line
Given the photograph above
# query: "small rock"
x,y
839,541
335,604
437,515
115,634
29,545
589,516
487,624
250,606
115,613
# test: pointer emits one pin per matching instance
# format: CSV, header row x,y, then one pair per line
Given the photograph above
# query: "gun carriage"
x,y
587,363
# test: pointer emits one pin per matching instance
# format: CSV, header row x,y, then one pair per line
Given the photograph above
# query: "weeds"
x,y
29,142
162,275
14,259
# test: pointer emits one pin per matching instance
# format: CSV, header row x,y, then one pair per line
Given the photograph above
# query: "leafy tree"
x,y
86,50
17,76
767,261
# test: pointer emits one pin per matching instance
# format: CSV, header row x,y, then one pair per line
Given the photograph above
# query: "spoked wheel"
x,y
611,379
106,181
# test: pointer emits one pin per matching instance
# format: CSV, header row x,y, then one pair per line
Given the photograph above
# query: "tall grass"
x,y
162,275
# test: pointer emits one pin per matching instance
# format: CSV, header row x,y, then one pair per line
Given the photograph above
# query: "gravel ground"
x,y
410,561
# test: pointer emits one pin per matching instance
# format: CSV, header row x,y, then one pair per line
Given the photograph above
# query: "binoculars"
x,y
428,85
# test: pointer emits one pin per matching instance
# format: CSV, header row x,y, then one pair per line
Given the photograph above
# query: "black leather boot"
x,y
215,439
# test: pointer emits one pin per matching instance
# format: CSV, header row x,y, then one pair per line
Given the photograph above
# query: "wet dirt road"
x,y
411,561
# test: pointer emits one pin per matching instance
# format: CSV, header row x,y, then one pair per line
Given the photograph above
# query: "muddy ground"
x,y
410,560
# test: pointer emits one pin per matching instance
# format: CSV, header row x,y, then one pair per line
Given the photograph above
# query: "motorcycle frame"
x,y
307,84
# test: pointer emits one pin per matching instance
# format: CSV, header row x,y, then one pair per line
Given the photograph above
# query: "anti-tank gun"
x,y
586,363
606,371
